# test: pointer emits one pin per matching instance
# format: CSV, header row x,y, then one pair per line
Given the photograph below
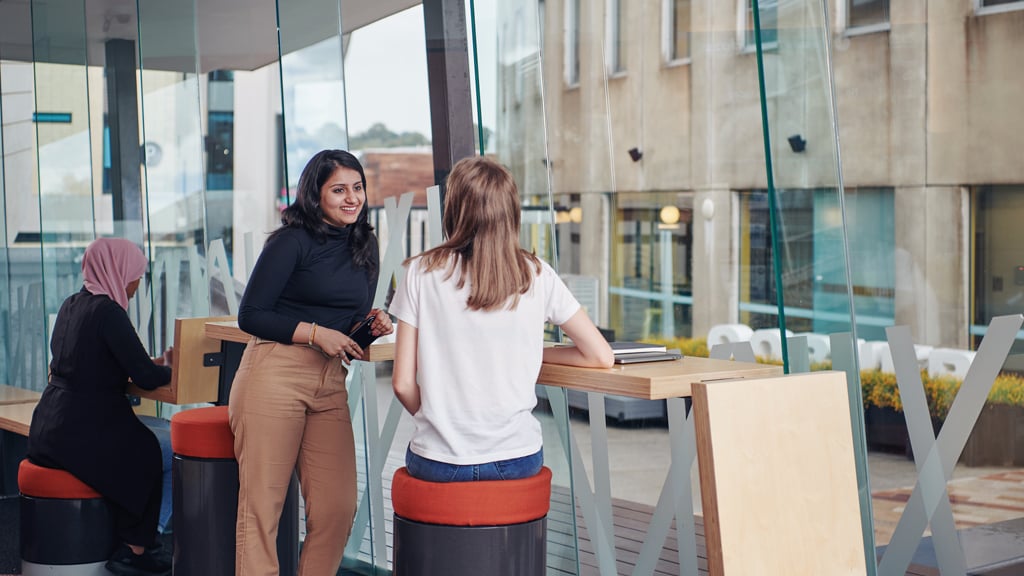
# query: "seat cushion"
x,y
202,433
484,503
42,482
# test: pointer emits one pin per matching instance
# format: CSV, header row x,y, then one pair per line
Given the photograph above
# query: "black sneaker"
x,y
124,562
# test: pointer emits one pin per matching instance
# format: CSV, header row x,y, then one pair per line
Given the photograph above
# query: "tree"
x,y
378,136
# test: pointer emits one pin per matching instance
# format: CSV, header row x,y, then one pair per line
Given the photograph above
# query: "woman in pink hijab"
x,y
84,422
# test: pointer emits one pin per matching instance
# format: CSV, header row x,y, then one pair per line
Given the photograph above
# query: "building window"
x,y
572,42
616,45
867,13
996,6
675,30
768,13
998,258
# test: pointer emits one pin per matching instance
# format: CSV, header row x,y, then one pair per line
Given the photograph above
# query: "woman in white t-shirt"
x,y
470,336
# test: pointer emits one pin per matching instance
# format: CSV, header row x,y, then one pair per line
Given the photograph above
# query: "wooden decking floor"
x,y
631,520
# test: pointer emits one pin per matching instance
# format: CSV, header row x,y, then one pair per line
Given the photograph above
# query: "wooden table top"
x,y
229,331
12,395
17,417
653,380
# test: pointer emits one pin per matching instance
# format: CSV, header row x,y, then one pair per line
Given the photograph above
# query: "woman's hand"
x,y
381,325
334,343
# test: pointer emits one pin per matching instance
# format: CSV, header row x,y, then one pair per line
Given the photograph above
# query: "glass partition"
x,y
173,140
801,250
506,51
22,316
313,89
679,164
65,185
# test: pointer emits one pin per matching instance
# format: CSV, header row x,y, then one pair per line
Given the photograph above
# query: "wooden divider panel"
x,y
191,381
777,475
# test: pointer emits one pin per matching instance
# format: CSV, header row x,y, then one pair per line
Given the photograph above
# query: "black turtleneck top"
x,y
300,279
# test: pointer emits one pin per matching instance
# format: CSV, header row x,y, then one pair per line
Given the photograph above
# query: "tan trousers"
x,y
289,411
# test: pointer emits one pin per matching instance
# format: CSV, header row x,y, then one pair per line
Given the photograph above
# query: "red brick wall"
x,y
391,174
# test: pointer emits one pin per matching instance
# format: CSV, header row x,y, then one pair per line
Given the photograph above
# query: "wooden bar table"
x,y
14,395
668,380
16,418
228,331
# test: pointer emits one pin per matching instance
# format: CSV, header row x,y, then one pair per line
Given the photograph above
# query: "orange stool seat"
x,y
498,528
43,482
484,503
66,526
202,433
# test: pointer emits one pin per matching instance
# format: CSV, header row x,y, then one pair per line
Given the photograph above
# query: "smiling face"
x,y
342,197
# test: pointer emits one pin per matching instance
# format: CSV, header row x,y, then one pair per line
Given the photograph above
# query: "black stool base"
x,y
439,550
205,512
66,532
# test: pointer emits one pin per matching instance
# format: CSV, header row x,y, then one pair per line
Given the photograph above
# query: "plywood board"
x,y
191,381
777,475
13,395
652,380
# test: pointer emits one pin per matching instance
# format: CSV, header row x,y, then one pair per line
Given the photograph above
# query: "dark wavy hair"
x,y
305,211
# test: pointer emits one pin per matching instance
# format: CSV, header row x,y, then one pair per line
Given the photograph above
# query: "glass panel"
x,y
800,260
174,174
390,131
240,144
22,318
510,102
63,143
769,20
313,93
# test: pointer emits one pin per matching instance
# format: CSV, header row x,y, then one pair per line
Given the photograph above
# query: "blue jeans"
x,y
162,430
434,471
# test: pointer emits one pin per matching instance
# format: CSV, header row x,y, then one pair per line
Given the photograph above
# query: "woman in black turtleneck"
x,y
314,281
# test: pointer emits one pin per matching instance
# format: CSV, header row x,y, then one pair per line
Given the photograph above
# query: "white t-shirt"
x,y
477,370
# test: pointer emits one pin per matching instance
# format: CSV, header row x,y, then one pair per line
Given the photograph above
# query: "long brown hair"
x,y
481,221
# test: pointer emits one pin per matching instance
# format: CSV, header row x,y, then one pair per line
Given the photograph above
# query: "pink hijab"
x,y
110,265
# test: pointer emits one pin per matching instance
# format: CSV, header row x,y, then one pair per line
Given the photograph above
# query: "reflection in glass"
x,y
768,12
867,12
998,260
616,48
676,26
572,42
62,124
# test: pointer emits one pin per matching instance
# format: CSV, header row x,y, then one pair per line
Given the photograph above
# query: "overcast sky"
x,y
386,71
